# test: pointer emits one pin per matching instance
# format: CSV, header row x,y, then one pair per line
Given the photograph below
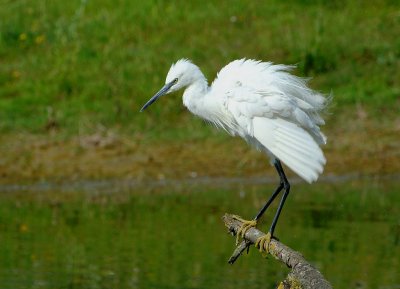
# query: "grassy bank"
x,y
77,65
362,148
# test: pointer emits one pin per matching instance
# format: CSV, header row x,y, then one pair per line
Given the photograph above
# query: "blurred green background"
x,y
83,63
94,194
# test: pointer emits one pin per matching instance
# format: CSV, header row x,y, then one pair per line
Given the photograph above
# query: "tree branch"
x,y
303,274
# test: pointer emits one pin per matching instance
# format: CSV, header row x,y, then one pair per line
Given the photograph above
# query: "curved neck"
x,y
195,92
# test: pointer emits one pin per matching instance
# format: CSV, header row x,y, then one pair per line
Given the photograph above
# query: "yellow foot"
x,y
244,228
262,243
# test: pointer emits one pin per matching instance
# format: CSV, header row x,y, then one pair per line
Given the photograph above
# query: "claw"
x,y
262,243
244,228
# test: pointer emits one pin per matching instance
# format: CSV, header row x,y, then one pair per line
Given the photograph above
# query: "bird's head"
x,y
180,75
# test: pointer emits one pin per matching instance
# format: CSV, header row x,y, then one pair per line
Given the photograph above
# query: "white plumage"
x,y
274,111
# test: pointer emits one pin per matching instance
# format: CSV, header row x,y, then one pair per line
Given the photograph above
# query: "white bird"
x,y
271,109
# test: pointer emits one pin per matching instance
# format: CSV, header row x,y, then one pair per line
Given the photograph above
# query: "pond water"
x,y
172,236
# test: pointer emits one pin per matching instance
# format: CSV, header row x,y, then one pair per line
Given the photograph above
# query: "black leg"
x,y
263,242
278,167
286,187
268,203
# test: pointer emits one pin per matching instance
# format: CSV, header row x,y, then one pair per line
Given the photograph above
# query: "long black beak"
x,y
162,91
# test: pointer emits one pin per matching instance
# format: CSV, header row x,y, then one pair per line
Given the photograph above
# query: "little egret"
x,y
271,109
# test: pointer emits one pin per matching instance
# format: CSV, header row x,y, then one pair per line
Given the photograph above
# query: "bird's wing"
x,y
249,89
284,120
292,145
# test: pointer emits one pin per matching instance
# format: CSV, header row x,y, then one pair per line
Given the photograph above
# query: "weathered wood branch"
x,y
303,274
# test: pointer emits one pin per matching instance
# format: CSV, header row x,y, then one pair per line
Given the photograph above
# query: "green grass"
x,y
82,64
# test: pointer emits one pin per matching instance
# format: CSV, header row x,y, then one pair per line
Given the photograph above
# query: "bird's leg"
x,y
263,242
248,224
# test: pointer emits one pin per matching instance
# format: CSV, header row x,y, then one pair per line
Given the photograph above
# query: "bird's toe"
x,y
262,243
246,225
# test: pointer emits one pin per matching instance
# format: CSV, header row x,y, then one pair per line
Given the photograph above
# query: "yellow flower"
x,y
23,228
22,37
39,39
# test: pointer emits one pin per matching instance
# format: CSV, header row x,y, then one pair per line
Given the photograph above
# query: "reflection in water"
x,y
173,237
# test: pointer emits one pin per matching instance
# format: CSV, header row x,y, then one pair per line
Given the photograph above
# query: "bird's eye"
x,y
175,80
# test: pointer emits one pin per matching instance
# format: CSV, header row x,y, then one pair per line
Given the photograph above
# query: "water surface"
x,y
172,236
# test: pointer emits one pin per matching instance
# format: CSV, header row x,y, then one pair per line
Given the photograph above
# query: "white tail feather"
x,y
291,144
